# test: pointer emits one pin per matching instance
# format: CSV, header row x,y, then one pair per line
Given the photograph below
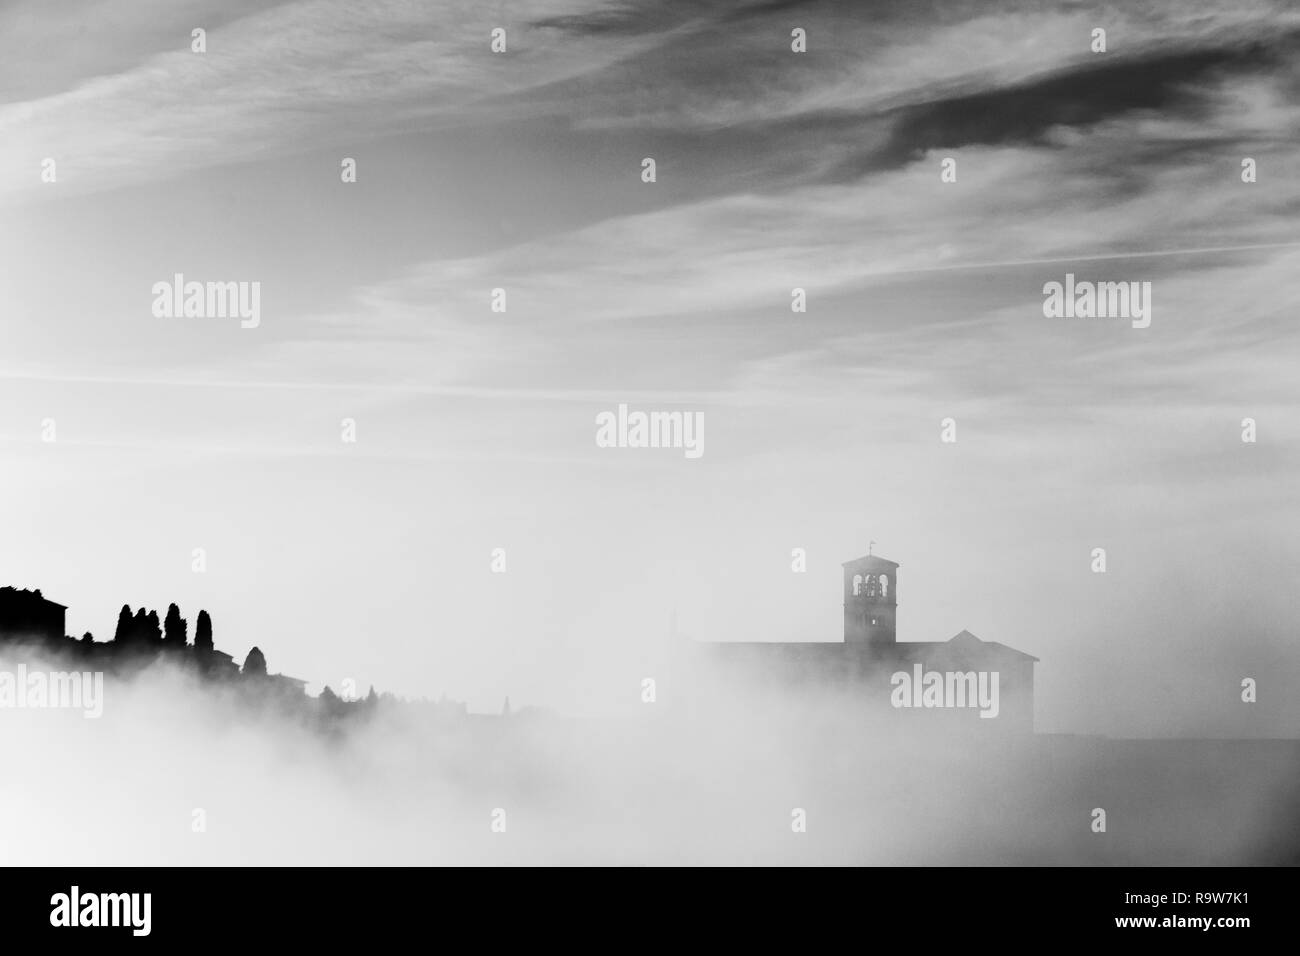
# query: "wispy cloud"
x,y
283,79
356,73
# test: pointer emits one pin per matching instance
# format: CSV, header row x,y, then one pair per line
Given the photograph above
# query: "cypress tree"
x,y
174,628
153,628
203,633
123,633
255,664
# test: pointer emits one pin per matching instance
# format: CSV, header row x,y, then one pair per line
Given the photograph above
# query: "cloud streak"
x,y
307,73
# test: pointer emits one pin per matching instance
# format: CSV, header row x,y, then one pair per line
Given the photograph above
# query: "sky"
x,y
371,560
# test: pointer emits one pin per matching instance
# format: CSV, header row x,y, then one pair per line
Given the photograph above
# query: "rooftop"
x,y
24,594
870,562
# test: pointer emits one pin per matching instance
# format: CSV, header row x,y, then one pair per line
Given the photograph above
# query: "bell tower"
x,y
870,601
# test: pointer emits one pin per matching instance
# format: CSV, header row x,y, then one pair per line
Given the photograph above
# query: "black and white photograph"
x,y
649,436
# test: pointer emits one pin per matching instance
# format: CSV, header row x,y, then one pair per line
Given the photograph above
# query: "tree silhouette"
x,y
139,627
174,628
154,628
333,706
123,633
140,637
255,664
203,633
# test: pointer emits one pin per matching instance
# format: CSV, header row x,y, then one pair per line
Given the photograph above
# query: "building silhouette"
x,y
31,615
870,601
865,665
29,619
32,627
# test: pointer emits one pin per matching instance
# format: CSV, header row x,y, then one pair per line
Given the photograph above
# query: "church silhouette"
x,y
870,664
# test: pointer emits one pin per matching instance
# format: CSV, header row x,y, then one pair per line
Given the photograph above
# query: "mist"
x,y
389,466
714,781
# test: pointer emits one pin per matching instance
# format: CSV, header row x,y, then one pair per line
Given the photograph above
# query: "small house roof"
x,y
29,595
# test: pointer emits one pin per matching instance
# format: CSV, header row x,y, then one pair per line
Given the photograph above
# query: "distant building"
x,y
871,602
289,686
957,679
28,614
217,664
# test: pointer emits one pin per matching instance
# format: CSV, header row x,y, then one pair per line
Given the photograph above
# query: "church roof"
x,y
967,639
964,646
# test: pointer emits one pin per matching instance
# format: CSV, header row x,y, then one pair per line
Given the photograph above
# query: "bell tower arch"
x,y
870,601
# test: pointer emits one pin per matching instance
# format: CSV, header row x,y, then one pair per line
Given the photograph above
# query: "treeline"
x,y
141,635
143,629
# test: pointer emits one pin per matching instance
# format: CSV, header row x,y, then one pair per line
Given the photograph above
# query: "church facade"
x,y
961,681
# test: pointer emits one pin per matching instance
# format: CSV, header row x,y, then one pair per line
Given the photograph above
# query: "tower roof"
x,y
871,562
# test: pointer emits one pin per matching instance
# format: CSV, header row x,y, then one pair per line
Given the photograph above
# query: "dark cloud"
x,y
1174,82
627,19
638,18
